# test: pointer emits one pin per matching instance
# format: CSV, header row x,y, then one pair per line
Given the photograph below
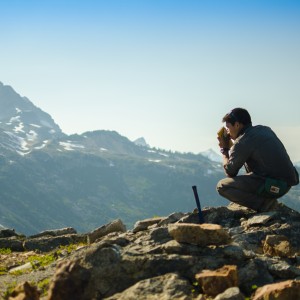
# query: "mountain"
x,y
51,180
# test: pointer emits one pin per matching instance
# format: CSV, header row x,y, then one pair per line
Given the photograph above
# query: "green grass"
x,y
5,251
43,286
38,261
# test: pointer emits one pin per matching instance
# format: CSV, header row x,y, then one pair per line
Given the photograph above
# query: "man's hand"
x,y
224,139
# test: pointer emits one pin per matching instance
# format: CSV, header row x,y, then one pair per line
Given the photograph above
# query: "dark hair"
x,y
240,115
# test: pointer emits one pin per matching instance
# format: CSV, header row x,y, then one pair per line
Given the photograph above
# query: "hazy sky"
x,y
164,70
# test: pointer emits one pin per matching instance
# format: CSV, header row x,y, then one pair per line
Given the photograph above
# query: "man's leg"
x,y
243,191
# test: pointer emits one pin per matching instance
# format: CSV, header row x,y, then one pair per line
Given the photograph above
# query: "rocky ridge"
x,y
236,254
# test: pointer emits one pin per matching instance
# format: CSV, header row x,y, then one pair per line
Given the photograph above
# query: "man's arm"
x,y
225,155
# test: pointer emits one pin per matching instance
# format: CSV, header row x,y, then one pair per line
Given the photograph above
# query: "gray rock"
x,y
12,243
25,267
144,224
255,272
5,233
166,287
46,244
259,219
54,232
114,226
174,217
231,294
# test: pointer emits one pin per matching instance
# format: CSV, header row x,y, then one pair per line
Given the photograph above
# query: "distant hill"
x,y
51,180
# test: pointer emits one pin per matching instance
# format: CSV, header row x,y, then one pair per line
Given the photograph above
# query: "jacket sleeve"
x,y
296,177
238,156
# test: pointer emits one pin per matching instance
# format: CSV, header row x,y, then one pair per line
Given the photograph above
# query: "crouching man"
x,y
269,170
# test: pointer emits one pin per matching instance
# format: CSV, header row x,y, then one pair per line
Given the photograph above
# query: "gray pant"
x,y
242,190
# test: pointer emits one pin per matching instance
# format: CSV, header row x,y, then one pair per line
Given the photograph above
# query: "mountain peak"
x,y
141,142
25,125
212,155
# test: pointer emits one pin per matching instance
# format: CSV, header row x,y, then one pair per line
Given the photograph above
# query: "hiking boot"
x,y
269,205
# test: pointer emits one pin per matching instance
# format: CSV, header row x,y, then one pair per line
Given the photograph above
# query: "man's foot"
x,y
269,205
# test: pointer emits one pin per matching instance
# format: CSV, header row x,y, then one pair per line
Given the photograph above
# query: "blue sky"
x,y
164,70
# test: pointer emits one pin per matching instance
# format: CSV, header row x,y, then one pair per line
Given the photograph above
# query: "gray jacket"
x,y
261,152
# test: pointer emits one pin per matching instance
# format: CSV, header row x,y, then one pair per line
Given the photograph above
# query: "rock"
x,y
277,245
202,234
174,217
217,281
166,287
25,292
250,240
160,235
260,219
5,233
69,282
13,243
286,290
25,267
254,273
282,269
55,232
144,224
114,226
46,244
232,293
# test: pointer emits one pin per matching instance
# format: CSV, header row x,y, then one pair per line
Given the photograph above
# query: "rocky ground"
x,y
236,254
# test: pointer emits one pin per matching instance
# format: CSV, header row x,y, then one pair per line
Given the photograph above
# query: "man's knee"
x,y
222,185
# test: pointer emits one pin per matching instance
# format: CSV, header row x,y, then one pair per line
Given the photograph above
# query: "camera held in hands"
x,y
222,133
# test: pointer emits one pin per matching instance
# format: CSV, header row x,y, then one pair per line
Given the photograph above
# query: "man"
x,y
269,170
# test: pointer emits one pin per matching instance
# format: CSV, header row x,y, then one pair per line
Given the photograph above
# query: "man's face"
x,y
233,130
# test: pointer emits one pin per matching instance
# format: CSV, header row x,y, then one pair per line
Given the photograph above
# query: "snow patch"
x,y
19,142
155,160
14,119
42,146
19,128
151,151
32,135
163,154
35,125
69,146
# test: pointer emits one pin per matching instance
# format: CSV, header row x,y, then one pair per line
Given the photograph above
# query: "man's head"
x,y
240,115
236,120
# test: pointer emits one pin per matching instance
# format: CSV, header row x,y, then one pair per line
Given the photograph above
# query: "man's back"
x,y
265,154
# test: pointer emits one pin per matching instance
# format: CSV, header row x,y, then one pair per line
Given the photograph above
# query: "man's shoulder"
x,y
259,129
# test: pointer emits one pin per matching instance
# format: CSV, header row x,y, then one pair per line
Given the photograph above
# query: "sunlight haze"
x,y
167,71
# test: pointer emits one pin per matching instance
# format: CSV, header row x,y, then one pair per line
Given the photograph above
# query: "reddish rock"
x,y
214,282
277,245
285,290
199,234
